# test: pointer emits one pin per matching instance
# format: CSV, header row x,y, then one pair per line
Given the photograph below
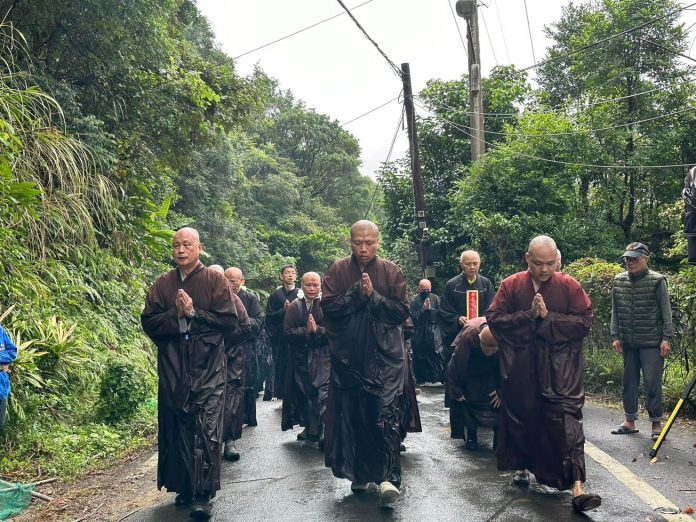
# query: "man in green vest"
x,y
641,327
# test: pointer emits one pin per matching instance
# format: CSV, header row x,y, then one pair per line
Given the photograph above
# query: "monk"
x,y
473,379
234,393
252,364
539,319
187,312
365,303
426,343
277,304
307,381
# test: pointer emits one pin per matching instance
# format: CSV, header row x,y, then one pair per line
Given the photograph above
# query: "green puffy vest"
x,y
638,309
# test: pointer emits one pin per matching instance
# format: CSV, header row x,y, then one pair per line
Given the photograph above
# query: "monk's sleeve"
x,y
256,318
158,320
449,317
222,314
559,328
390,310
336,304
502,317
242,332
295,333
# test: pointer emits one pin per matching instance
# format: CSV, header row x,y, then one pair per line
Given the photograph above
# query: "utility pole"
x,y
418,190
468,9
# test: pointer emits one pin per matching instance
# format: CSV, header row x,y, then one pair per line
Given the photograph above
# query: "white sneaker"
x,y
357,487
388,492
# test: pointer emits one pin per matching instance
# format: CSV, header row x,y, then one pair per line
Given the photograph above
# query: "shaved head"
x,y
364,225
233,271
543,242
217,268
186,249
541,258
425,285
188,232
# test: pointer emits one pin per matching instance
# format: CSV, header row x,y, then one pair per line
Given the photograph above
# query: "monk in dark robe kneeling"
x,y
473,379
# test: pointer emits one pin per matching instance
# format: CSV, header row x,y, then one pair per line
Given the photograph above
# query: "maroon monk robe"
x,y
541,367
234,351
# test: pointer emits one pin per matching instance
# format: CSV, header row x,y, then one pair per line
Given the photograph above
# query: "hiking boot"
x,y
183,499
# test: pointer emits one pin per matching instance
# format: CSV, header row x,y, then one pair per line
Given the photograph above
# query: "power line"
x,y
297,32
608,38
664,48
396,70
500,24
553,110
529,28
461,38
464,130
391,149
370,111
485,26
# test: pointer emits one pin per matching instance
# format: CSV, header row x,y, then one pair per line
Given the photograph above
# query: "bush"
x,y
124,386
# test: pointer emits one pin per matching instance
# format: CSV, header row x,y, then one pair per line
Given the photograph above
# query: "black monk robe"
x,y
367,370
541,369
275,315
191,371
307,379
234,351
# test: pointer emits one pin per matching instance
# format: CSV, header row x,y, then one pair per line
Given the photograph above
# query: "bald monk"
x,y
365,304
539,318
426,343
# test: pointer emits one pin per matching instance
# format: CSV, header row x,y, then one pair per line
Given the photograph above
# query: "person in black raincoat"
x,y
428,357
365,303
187,312
307,379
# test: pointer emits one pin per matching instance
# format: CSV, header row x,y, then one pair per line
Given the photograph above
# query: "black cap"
x,y
636,250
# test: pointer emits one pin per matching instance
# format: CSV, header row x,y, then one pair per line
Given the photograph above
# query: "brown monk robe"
x,y
365,303
307,380
540,318
187,312
234,394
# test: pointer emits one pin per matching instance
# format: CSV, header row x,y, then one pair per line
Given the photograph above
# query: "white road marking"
x,y
642,489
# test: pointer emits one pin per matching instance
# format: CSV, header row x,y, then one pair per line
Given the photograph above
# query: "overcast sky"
x,y
336,70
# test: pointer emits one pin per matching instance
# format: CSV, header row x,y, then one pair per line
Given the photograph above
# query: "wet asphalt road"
x,y
279,478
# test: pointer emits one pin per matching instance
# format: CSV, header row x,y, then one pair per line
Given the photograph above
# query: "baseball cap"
x,y
636,250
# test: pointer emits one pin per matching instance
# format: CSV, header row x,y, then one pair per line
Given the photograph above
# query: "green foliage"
x,y
123,388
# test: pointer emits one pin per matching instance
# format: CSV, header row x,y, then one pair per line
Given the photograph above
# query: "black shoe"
x,y
201,508
303,435
267,396
320,442
471,445
182,499
252,424
402,447
231,452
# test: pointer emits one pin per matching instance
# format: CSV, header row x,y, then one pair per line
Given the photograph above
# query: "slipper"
x,y
586,502
623,430
655,435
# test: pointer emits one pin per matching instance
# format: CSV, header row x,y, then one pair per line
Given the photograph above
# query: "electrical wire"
x,y
485,26
461,38
464,129
396,70
298,32
500,24
369,112
529,28
552,110
664,48
391,149
608,38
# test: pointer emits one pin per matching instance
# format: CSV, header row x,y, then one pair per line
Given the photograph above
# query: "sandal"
x,y
586,502
655,435
623,430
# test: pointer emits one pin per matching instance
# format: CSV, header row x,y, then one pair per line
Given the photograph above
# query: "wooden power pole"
x,y
418,190
468,10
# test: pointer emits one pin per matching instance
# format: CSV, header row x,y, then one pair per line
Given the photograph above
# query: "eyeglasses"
x,y
631,260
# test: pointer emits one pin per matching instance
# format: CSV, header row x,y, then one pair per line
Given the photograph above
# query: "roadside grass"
x,y
71,447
